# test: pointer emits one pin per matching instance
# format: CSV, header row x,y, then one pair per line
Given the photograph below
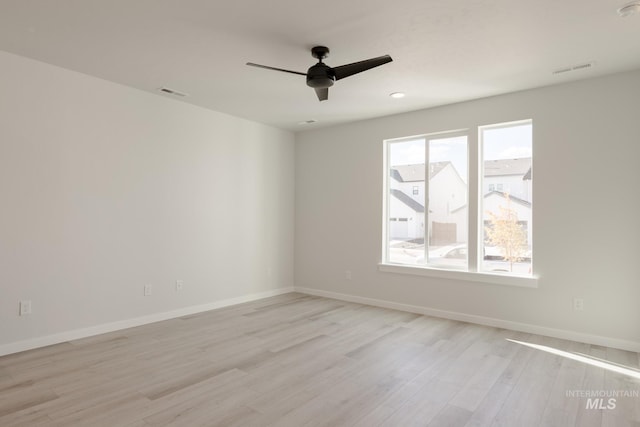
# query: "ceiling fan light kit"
x,y
321,76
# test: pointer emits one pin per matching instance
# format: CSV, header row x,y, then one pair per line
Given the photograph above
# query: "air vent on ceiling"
x,y
172,92
308,122
574,68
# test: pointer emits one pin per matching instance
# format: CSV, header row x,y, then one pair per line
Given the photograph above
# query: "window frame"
x,y
475,196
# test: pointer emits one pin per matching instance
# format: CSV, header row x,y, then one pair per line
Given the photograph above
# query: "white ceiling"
x,y
444,51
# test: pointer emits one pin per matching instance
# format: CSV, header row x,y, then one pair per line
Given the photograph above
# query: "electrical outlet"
x,y
347,275
25,307
179,285
147,290
578,304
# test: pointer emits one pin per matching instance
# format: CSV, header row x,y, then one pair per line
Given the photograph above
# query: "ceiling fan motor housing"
x,y
320,76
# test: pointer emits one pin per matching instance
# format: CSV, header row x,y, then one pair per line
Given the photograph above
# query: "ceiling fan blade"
x,y
323,93
357,67
275,69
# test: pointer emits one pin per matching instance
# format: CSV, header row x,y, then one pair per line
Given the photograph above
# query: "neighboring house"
x,y
406,215
448,213
508,176
406,209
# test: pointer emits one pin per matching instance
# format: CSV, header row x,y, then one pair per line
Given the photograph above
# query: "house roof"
x,y
501,194
395,174
415,173
513,198
404,198
504,167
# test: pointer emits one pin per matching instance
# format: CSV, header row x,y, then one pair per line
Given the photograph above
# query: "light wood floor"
x,y
297,360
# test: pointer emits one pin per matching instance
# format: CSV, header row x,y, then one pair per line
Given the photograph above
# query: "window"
x,y
443,227
405,241
506,152
427,180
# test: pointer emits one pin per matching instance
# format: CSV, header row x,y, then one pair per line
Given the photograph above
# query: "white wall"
x,y
105,189
586,232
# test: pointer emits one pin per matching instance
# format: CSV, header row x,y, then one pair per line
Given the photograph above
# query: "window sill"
x,y
490,278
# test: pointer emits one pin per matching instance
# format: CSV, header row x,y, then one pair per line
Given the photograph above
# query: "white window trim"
x,y
469,276
473,274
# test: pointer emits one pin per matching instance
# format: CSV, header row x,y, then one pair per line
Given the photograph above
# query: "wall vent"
x,y
574,68
172,92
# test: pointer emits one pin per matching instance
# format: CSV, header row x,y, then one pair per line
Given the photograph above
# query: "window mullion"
x,y
474,202
426,201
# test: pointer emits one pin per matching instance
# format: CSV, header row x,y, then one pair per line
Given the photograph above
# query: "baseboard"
x,y
158,317
130,323
481,320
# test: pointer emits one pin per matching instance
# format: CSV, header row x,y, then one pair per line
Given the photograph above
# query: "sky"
x,y
498,143
507,143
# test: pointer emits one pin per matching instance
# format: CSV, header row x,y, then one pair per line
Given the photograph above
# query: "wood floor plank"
x,y
299,360
624,387
347,411
561,408
486,412
451,416
115,410
15,399
33,419
424,406
473,391
526,402
593,380
207,392
208,408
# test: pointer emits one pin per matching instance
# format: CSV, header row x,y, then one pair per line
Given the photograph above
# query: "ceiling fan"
x,y
321,77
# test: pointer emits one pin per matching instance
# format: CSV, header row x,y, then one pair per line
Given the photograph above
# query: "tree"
x,y
505,232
